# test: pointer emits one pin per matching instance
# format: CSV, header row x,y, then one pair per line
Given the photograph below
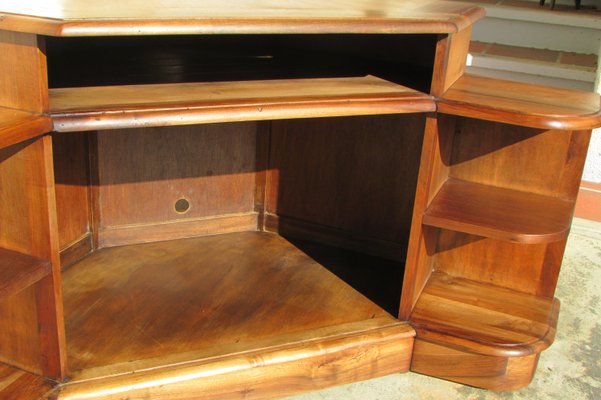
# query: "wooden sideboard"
x,y
250,199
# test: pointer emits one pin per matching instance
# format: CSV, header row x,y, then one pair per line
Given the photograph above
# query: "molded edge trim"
x,y
471,345
89,121
141,27
539,121
301,366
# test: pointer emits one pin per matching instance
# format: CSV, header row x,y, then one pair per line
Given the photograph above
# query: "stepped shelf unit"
x,y
251,199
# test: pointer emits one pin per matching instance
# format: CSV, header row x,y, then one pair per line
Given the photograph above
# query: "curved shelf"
x,y
110,107
499,213
483,318
17,126
154,17
520,103
19,271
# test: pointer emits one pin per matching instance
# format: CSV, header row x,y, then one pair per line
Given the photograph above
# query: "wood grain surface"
x,y
153,17
355,174
23,73
483,318
308,360
153,301
499,213
77,109
20,385
520,103
17,126
488,372
18,271
211,167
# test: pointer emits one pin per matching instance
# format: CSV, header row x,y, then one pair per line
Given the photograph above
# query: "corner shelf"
x,y
110,107
17,126
499,213
19,271
518,103
483,318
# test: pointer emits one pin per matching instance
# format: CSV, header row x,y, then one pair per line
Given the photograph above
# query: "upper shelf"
x,y
519,103
17,126
109,107
18,271
499,213
172,17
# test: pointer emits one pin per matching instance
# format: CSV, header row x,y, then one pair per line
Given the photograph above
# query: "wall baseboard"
x,y
588,204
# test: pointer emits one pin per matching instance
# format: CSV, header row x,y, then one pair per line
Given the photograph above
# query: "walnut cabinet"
x,y
250,199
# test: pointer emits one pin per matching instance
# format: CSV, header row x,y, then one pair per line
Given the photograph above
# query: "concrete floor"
x,y
569,370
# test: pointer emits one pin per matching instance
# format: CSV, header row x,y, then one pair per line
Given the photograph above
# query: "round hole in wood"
x,y
182,206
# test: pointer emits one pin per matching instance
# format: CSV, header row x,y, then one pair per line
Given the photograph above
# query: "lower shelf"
x,y
484,318
164,316
480,334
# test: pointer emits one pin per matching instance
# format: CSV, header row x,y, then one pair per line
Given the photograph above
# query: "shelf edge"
x,y
77,122
440,205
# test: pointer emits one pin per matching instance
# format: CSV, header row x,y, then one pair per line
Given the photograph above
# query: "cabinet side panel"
x,y
19,339
23,78
72,191
152,177
28,225
547,162
449,63
433,173
354,175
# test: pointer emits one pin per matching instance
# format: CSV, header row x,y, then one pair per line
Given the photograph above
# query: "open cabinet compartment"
x,y
278,203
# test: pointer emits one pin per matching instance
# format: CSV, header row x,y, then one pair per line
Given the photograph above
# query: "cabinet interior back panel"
x,y
354,174
142,173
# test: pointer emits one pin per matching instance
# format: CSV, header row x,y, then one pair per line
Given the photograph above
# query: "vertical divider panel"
x,y
29,207
433,173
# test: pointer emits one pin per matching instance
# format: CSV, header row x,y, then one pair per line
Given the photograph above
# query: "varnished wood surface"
x,y
77,109
28,220
212,167
512,157
527,268
18,271
72,185
153,301
432,174
153,17
520,103
17,126
23,73
303,361
488,372
499,213
484,319
330,172
20,385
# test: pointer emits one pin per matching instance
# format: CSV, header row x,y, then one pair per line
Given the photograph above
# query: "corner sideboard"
x,y
251,200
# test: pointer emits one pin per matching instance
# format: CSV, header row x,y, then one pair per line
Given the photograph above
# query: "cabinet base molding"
x,y
487,372
263,373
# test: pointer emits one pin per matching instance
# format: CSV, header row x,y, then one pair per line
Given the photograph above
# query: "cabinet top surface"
x,y
154,17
